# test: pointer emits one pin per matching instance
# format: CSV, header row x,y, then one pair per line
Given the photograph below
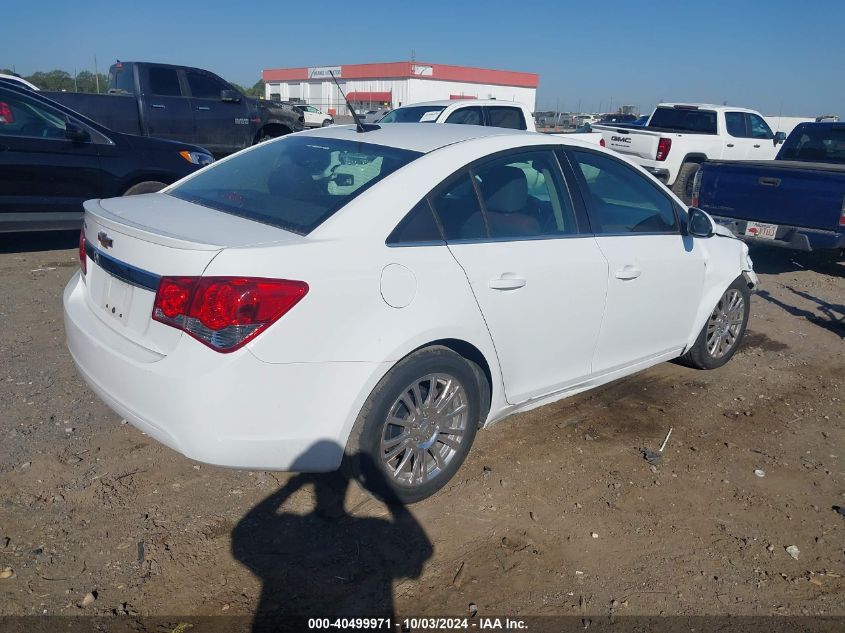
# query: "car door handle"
x,y
757,145
203,108
769,182
628,272
507,283
730,144
159,105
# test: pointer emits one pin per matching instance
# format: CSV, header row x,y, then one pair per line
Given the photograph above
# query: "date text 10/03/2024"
x,y
416,624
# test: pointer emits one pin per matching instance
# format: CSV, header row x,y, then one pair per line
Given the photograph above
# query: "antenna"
x,y
360,127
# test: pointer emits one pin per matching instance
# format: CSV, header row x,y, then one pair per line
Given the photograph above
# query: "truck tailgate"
x,y
639,143
778,192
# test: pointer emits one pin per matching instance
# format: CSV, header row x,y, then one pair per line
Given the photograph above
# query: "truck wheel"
x,y
683,183
722,334
417,426
149,186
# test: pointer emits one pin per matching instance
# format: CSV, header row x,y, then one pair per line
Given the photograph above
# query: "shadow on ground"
x,y
774,261
326,563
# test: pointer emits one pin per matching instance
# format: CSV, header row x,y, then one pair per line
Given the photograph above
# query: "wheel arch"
x,y
274,129
694,158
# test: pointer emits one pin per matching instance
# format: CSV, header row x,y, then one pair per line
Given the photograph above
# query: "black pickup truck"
x,y
184,104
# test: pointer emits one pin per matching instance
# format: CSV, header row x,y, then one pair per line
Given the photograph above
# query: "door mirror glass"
x,y
699,223
230,96
780,137
76,133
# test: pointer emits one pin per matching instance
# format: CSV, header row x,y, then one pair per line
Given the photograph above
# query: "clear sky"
x,y
768,55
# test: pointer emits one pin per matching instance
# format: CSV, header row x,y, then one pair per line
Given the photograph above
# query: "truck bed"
x,y
116,112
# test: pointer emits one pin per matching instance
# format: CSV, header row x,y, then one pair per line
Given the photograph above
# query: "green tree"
x,y
52,80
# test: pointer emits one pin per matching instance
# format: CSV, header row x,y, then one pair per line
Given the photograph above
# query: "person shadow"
x,y
327,563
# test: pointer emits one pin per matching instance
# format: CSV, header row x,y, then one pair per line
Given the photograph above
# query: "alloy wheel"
x,y
725,324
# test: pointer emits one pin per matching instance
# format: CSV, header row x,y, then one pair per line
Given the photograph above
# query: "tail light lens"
x,y
6,115
83,261
602,143
696,189
224,312
663,147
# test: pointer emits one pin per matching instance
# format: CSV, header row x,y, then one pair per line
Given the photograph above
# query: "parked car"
x,y
796,201
52,159
373,116
314,117
614,118
259,315
17,80
184,104
680,136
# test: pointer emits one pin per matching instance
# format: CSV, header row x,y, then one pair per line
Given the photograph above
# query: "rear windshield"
x,y
684,120
818,144
294,183
121,80
414,114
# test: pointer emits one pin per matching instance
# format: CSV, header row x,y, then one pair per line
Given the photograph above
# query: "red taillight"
x,y
842,214
602,143
663,147
83,261
224,312
6,115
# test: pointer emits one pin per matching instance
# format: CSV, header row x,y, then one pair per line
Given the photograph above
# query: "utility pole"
x,y
96,74
75,87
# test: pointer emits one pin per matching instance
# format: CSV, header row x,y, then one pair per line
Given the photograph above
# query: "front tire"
x,y
722,334
149,186
417,426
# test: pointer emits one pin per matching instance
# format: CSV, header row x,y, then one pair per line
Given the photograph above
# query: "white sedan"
x,y
371,299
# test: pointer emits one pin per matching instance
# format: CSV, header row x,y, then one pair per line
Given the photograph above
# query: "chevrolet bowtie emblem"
x,y
104,240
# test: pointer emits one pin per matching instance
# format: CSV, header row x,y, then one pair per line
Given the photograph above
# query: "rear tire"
x,y
398,448
149,186
722,334
683,182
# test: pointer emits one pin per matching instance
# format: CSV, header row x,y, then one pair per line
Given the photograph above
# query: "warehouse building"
x,y
372,86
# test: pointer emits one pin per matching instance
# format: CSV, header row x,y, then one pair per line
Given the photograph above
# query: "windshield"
x,y
683,119
121,79
414,114
295,183
818,144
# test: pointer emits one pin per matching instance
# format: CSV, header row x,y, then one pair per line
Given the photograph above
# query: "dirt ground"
x,y
554,512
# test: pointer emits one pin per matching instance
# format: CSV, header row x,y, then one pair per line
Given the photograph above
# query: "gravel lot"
x,y
554,512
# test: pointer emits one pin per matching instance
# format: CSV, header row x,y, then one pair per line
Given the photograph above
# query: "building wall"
x,y
324,94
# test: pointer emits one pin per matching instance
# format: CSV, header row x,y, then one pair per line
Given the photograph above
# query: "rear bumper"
x,y
791,237
230,410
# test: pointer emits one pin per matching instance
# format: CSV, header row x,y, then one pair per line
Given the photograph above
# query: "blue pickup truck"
x,y
796,201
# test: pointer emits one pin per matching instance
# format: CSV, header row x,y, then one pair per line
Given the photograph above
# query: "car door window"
x,y
735,122
205,87
467,116
458,210
506,117
759,128
620,200
418,226
164,82
524,195
22,117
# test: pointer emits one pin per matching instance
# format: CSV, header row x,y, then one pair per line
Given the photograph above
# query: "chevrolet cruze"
x,y
370,299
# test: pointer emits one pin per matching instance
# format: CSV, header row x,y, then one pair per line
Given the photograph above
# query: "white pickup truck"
x,y
490,112
679,137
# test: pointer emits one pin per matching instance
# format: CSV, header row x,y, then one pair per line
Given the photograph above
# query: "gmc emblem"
x,y
104,240
620,139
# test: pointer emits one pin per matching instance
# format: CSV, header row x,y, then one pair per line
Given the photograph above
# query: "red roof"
x,y
416,70
368,96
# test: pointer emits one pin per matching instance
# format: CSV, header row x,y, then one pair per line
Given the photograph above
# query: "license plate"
x,y
117,295
761,230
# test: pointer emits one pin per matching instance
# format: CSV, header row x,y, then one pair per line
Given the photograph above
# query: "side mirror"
x,y
699,223
230,96
780,137
76,133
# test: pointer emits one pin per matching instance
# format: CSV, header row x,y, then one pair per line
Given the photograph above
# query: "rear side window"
x,y
467,116
459,212
164,82
418,226
506,117
20,116
205,87
735,122
295,183
620,200
684,120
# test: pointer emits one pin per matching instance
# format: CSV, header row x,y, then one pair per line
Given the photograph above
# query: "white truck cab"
x,y
680,136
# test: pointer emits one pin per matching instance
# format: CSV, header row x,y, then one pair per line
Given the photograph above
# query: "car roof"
x,y
425,137
706,106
